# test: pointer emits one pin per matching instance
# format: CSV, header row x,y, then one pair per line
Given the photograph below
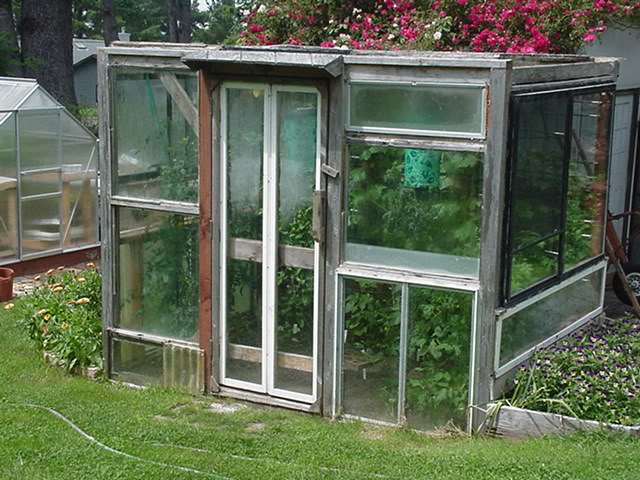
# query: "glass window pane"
x,y
370,369
8,190
39,140
534,264
438,109
244,321
294,330
539,321
417,209
586,209
40,224
538,166
158,273
137,363
245,146
297,114
536,193
155,142
439,342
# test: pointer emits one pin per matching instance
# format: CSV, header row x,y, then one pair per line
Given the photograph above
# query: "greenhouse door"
x,y
270,252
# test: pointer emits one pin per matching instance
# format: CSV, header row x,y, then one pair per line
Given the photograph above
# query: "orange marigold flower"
x,y
91,265
50,271
82,301
81,279
9,306
47,316
71,302
57,289
64,325
37,277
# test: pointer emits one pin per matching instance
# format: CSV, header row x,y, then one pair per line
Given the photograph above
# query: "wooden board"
x,y
519,423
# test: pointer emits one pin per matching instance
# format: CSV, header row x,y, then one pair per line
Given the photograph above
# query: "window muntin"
x,y
555,197
155,143
425,109
415,208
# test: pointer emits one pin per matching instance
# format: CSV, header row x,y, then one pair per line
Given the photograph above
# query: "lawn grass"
x,y
172,427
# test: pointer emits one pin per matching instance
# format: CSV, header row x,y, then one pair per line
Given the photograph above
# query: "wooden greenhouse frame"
x,y
327,77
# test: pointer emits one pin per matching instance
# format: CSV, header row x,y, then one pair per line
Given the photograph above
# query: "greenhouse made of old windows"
x,y
378,235
48,176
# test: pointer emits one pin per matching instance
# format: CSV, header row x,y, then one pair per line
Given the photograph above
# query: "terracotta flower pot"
x,y
6,284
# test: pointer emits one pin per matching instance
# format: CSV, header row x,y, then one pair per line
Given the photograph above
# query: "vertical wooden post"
x,y
493,194
205,160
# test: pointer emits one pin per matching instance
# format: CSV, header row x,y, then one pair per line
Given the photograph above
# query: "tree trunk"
x,y
11,65
109,24
180,21
47,46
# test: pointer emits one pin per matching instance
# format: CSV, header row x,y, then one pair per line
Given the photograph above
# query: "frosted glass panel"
x,y
438,355
8,191
38,99
8,163
39,183
297,144
156,145
158,273
405,203
370,369
245,141
395,257
39,140
40,224
436,109
79,177
539,321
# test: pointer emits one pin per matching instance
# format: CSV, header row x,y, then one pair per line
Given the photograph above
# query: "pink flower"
x,y
589,37
256,28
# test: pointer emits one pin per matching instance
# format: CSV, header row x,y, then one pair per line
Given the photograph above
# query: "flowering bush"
x,y
63,316
515,26
592,375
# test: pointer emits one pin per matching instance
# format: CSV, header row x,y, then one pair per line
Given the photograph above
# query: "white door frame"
x,y
269,243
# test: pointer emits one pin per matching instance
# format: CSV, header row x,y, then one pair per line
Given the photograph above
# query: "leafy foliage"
x,y
536,26
384,211
592,375
63,316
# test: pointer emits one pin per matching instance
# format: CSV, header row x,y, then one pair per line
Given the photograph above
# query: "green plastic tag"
x,y
421,169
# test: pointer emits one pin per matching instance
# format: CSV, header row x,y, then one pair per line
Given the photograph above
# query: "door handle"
x,y
318,216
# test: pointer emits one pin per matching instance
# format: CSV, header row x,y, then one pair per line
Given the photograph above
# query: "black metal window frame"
x,y
508,252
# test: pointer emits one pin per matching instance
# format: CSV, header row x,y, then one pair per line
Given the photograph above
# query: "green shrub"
x,y
63,316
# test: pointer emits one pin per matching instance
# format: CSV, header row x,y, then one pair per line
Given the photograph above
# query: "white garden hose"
x,y
109,449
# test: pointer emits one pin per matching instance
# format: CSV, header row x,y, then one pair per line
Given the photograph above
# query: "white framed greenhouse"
x,y
48,176
375,235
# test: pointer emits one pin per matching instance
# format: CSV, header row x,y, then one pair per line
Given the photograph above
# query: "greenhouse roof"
x,y
22,94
